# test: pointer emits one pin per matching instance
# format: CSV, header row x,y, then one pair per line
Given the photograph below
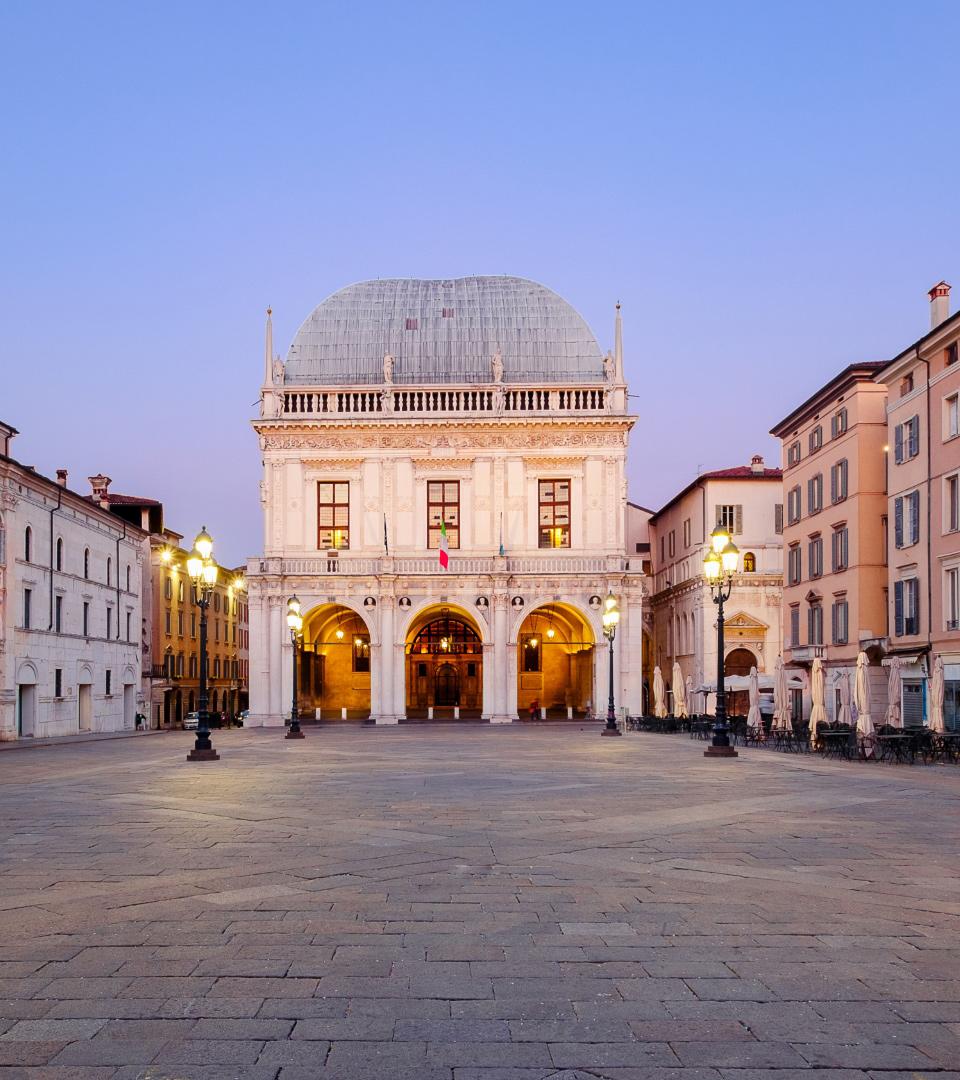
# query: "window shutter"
x,y
738,519
914,516
898,608
833,623
833,426
716,514
810,503
914,448
898,443
833,483
898,522
778,518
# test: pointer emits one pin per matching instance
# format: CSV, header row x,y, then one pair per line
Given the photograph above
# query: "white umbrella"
x,y
753,713
659,704
781,698
936,698
843,717
861,696
679,692
894,686
689,692
818,714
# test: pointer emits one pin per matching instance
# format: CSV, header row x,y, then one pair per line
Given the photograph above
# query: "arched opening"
x,y
749,563
739,662
27,544
333,667
555,660
59,553
444,665
27,700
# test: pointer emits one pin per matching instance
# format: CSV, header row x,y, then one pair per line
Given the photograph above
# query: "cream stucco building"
x,y
480,406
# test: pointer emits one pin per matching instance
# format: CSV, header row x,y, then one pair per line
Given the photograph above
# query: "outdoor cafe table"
x,y
900,747
838,743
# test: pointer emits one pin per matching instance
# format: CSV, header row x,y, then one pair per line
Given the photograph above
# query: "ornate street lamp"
x,y
611,616
203,573
719,566
295,622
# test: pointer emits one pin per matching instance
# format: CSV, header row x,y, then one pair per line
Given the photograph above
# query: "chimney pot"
x,y
939,304
756,463
62,477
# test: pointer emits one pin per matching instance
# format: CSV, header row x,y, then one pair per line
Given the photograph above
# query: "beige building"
x,y
747,501
834,597
922,388
476,414
170,634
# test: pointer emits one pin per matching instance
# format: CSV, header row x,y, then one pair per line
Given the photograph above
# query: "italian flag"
x,y
444,548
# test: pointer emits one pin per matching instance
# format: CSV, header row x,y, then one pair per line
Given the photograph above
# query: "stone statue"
x,y
277,371
499,398
609,368
496,366
386,401
388,369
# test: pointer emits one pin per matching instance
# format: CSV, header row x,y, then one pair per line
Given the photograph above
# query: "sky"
x,y
769,190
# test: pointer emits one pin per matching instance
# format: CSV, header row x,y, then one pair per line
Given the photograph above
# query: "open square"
x,y
475,903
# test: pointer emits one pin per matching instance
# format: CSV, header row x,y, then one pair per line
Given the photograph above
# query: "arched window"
x,y
128,578
27,543
86,562
749,563
109,569
59,553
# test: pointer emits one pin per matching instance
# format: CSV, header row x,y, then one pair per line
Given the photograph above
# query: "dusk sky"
x,y
769,190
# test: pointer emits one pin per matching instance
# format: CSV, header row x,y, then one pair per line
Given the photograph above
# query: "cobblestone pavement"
x,y
474,903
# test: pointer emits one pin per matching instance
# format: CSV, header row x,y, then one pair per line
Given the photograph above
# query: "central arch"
x,y
444,665
555,663
333,668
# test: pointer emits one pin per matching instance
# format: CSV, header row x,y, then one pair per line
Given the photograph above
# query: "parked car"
x,y
191,721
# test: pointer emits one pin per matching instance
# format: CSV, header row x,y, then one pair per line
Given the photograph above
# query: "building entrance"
x,y
444,665
333,667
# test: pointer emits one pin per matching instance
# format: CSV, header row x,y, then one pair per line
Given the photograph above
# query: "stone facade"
x,y
70,609
513,625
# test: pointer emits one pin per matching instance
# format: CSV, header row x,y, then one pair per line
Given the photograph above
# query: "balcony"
x,y
403,403
341,565
806,654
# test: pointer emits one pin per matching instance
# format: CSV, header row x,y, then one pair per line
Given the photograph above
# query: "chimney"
x,y
62,477
756,464
101,487
939,304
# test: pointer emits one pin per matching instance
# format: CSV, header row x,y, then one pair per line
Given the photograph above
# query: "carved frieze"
x,y
514,439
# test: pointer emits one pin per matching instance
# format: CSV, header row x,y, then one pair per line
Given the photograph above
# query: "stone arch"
x,y
335,662
27,673
555,645
443,661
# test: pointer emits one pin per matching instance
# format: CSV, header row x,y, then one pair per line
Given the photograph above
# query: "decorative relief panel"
x,y
480,440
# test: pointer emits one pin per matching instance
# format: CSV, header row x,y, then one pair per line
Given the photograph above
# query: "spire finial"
x,y
268,350
618,343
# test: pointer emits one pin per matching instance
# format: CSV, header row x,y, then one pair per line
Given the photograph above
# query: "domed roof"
x,y
444,331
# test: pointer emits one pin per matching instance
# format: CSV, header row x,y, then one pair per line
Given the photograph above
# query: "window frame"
x,y
815,439
547,531
453,528
338,533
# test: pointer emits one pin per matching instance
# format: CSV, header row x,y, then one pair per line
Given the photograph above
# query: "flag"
x,y
502,552
444,549
386,545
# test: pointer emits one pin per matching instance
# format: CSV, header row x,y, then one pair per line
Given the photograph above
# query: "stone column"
x,y
499,712
387,711
279,676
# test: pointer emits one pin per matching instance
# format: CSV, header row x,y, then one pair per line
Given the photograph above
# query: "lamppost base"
x,y
294,735
720,751
610,731
203,755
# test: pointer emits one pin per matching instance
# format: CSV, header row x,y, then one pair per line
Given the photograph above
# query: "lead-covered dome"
x,y
444,331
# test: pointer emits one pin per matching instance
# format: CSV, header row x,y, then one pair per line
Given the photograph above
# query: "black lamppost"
x,y
295,622
203,573
611,616
719,566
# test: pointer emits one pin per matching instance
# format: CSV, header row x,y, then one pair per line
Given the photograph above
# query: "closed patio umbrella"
x,y
753,713
679,692
843,716
894,688
936,698
781,698
861,696
659,698
818,714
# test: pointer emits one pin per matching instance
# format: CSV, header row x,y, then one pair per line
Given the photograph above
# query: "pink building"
x,y
834,596
923,435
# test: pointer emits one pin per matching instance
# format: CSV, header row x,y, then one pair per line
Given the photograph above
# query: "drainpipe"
x,y
52,512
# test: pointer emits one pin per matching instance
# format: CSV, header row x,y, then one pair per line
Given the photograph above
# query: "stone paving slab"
x,y
447,903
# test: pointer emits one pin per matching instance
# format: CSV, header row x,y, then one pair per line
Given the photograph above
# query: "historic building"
x,y
834,601
70,607
746,500
443,489
170,639
922,434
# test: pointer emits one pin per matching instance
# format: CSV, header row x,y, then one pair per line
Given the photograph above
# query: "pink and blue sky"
x,y
769,189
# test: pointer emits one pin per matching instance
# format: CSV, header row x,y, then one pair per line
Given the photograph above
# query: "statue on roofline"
x,y
496,366
388,369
